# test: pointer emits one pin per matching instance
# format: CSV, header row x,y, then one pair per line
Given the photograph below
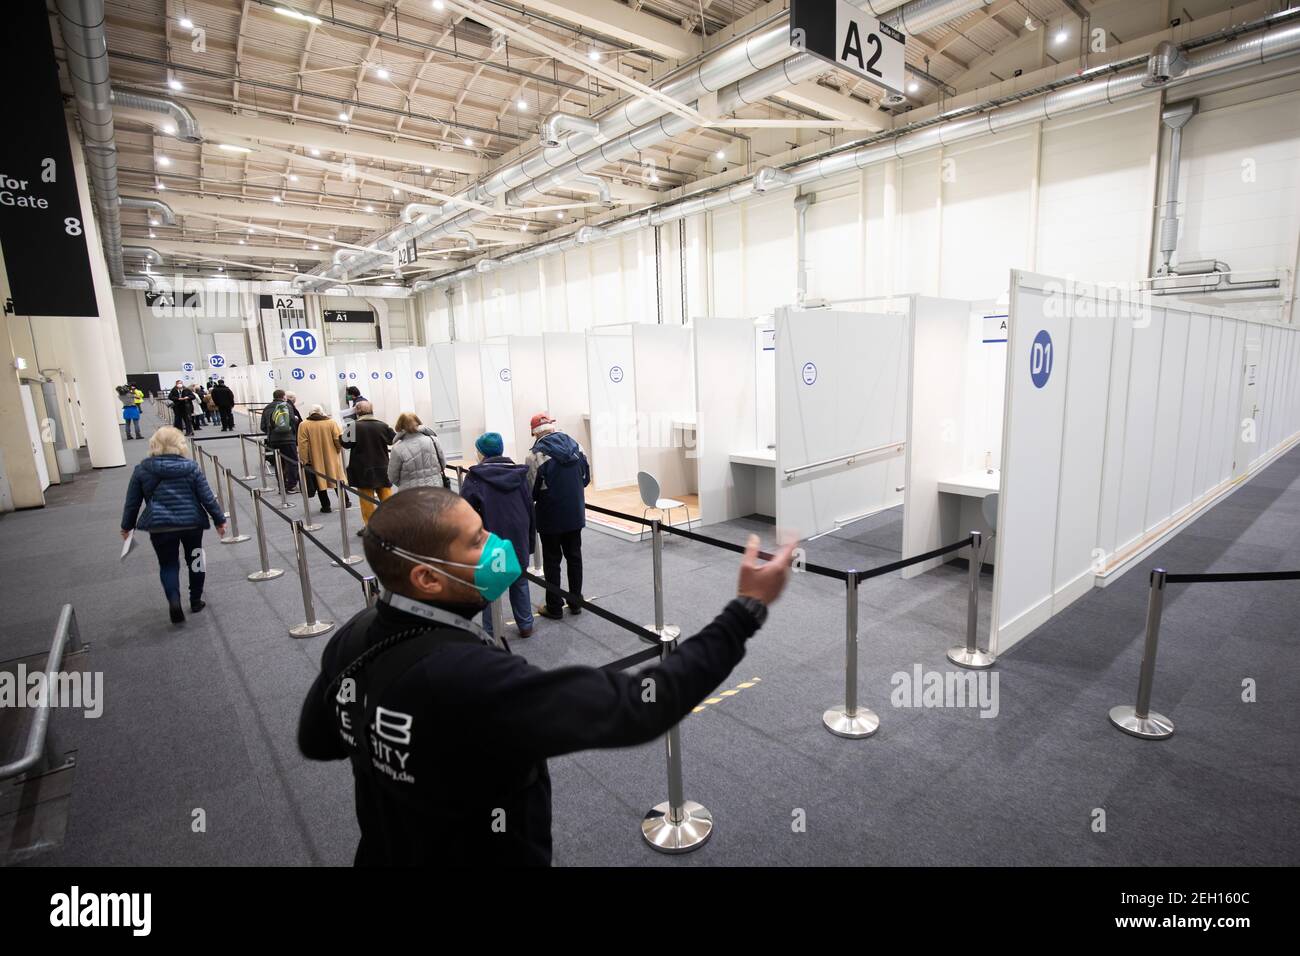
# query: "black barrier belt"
x,y
221,437
740,549
632,659
342,484
1232,576
908,562
644,633
334,557
619,514
248,488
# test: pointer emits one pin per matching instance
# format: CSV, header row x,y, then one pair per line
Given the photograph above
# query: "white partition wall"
x,y
498,404
568,399
421,398
1124,420
726,384
611,378
664,387
313,380
442,395
353,370
841,412
528,389
385,368
469,394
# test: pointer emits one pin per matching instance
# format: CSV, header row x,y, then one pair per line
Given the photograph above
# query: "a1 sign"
x,y
843,35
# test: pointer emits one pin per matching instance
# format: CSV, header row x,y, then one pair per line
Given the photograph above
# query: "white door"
x,y
34,432
1247,448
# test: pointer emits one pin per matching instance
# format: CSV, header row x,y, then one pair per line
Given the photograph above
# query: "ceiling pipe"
x,y
602,189
557,124
1175,116
156,206
586,234
186,127
414,209
736,60
1252,44
143,252
769,177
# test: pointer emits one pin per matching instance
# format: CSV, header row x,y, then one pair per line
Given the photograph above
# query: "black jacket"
x,y
223,397
460,768
497,489
182,399
558,472
369,441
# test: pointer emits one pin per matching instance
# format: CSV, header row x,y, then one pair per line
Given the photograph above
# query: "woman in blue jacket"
x,y
177,502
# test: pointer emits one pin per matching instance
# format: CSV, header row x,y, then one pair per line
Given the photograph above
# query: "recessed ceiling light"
x,y
559,215
523,227
594,56
428,170
343,117
297,15
153,222
314,246
369,208
313,150
381,72
396,191
186,23
721,154
277,199
293,177
164,161
160,185
175,84
469,141
243,242
152,234
1062,36
221,268
232,148
169,128
913,87
522,104
438,5
251,230
331,237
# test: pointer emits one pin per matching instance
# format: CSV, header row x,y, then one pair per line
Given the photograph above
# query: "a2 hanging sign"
x,y
846,37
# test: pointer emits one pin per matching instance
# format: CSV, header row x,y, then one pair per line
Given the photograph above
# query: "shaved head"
x,y
419,520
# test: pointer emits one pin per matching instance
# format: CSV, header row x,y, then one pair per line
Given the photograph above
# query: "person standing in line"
x,y
416,460
177,503
497,489
320,448
280,426
210,416
558,473
224,399
352,398
130,411
182,399
368,440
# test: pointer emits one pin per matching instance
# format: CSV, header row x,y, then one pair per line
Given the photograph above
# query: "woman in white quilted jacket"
x,y
416,459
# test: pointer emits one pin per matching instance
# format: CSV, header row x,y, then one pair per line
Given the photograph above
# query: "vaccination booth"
x,y
1126,416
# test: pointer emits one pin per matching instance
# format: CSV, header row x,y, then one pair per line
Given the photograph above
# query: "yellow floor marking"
x,y
722,695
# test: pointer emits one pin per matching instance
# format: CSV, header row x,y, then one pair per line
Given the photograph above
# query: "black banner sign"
x,y
345,315
42,226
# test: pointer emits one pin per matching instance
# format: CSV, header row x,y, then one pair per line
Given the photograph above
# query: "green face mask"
x,y
497,568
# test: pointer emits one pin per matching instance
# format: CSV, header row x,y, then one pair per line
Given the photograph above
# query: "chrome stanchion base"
x,y
662,834
310,628
265,575
350,559
235,540
1151,727
669,632
312,527
976,660
287,505
839,722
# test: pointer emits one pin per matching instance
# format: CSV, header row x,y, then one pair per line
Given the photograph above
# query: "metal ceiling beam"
x,y
626,24
820,99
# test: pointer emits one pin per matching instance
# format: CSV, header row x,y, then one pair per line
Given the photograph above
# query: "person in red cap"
x,y
557,474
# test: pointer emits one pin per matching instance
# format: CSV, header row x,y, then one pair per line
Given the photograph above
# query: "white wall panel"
x,y
611,380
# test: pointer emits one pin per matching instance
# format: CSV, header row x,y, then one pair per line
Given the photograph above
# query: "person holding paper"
x,y
177,503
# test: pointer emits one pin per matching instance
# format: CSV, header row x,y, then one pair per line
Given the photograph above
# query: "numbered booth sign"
x,y
301,341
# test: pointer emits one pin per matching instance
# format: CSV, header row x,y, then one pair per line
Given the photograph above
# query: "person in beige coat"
x,y
320,447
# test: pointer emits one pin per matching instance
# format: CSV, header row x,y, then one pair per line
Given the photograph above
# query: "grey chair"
x,y
989,510
648,485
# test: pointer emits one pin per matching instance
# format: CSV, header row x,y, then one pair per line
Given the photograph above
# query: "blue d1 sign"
x,y
302,342
809,373
298,374
1040,359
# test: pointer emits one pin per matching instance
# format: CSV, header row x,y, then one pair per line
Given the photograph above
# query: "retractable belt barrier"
x,y
1140,720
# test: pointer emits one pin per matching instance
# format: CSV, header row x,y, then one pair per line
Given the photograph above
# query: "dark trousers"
x,y
567,545
183,421
289,461
172,547
227,419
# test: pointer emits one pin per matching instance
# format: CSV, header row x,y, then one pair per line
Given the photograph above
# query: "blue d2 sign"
x,y
1040,359
302,342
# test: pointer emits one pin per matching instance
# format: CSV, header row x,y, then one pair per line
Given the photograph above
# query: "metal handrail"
x,y
894,446
39,730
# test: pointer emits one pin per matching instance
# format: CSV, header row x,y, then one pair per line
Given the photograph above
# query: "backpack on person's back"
x,y
281,430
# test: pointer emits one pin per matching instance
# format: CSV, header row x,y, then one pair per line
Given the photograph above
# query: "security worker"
x,y
447,732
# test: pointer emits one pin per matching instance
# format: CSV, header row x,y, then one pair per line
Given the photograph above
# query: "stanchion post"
x,y
498,611
677,825
369,589
310,627
261,462
1142,721
243,455
221,494
306,499
847,719
285,503
267,572
969,655
233,535
348,556
535,564
665,632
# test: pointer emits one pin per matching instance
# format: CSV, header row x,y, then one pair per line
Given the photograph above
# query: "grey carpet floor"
x,y
203,716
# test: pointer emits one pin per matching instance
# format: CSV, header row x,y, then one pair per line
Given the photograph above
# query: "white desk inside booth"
x,y
972,487
757,465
